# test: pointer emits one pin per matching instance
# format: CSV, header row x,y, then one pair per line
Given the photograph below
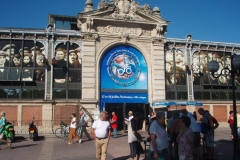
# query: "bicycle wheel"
x,y
59,133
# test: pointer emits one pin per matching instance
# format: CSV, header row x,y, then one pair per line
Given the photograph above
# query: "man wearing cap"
x,y
15,70
3,63
72,59
3,122
35,51
78,51
9,50
40,60
59,75
74,75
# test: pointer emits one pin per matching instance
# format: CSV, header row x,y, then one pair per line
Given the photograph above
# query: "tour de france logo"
x,y
123,67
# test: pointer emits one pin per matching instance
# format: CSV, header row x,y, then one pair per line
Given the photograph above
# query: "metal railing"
x,y
43,126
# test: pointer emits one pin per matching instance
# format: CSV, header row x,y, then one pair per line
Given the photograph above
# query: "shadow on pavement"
x,y
29,145
122,158
40,138
19,139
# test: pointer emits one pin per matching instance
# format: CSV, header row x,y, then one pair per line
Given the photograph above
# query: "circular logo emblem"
x,y
124,68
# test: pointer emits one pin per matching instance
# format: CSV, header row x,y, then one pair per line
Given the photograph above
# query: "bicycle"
x,y
63,131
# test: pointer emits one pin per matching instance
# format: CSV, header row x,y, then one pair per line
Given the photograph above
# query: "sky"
x,y
205,20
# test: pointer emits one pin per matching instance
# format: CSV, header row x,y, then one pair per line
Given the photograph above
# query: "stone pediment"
x,y
125,17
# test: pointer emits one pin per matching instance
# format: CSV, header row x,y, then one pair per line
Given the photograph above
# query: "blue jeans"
x,y
115,135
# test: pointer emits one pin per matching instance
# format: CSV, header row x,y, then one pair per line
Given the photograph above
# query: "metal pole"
x,y
124,116
235,134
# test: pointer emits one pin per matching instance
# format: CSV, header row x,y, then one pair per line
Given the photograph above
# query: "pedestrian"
x,y
83,126
130,116
215,126
3,122
134,136
207,130
159,139
153,115
195,115
185,140
174,131
231,122
196,131
151,119
114,124
73,126
101,133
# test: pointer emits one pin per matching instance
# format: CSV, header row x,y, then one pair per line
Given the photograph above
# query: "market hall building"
x,y
114,58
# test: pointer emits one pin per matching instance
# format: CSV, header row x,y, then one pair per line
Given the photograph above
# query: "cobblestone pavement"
x,y
50,148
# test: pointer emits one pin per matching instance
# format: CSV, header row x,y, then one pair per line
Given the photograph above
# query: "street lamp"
x,y
213,66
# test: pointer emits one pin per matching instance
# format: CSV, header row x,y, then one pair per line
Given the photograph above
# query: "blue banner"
x,y
124,68
124,97
165,104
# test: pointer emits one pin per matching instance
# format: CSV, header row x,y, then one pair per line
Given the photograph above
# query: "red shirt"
x,y
114,124
231,121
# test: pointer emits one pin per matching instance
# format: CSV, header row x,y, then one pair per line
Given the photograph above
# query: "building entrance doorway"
x,y
122,109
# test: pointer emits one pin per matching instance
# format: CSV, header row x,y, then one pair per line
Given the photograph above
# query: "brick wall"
x,y
28,112
11,113
220,113
63,113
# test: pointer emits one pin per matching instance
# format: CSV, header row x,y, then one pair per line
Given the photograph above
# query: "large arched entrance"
x,y
124,82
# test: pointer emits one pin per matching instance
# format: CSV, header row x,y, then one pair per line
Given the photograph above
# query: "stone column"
x,y
89,70
47,118
158,72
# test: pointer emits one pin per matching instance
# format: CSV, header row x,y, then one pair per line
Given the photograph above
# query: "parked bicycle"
x,y
63,131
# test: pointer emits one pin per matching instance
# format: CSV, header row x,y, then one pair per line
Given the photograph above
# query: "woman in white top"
x,y
158,138
73,127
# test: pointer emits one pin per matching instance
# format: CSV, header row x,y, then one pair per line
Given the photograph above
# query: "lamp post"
x,y
213,66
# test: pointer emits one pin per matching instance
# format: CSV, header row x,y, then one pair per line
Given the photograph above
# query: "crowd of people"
x,y
179,139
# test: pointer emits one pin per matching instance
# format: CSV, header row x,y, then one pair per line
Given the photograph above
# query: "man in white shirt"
x,y
83,125
101,133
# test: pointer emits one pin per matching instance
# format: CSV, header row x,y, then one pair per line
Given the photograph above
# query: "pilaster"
x,y
158,72
89,70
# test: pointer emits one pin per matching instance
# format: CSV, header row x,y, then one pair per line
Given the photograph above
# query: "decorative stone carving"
x,y
124,38
120,30
49,28
90,36
146,9
160,31
158,41
126,10
102,4
87,26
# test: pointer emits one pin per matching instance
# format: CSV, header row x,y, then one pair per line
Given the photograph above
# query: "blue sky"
x,y
207,20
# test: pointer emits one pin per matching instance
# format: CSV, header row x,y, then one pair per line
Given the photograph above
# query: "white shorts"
x,y
183,158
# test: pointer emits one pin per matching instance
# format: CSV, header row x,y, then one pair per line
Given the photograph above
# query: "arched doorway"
x,y
123,82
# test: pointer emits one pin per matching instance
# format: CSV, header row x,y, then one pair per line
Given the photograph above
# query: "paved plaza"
x,y
50,148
